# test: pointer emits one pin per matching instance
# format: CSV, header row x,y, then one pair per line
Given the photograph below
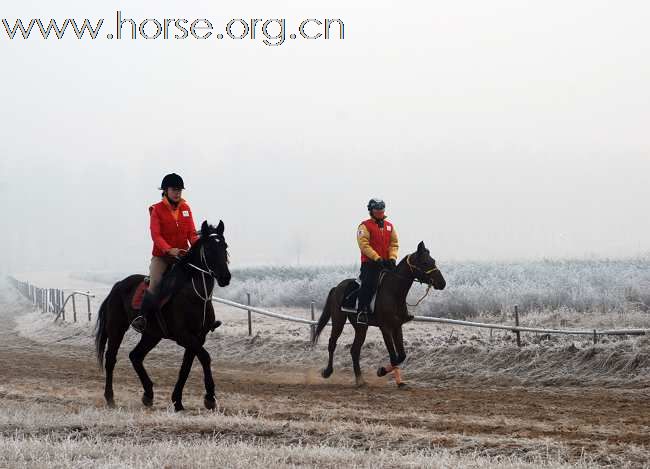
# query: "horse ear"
x,y
205,228
421,247
220,228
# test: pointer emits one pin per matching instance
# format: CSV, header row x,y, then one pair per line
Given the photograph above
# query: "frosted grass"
x,y
473,288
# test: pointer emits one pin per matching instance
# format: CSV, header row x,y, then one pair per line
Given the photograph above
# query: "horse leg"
x,y
146,344
338,321
394,359
186,366
110,358
398,339
209,400
355,351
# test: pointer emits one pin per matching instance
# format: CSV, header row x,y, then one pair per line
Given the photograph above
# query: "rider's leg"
x,y
362,296
149,301
369,278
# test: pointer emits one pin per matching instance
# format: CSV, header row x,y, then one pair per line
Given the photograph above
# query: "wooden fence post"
x,y
60,305
250,321
313,326
517,324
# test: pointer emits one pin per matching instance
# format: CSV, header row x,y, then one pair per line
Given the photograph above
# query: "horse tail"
x,y
325,316
101,336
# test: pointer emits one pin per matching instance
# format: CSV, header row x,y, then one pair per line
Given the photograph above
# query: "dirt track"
x,y
608,425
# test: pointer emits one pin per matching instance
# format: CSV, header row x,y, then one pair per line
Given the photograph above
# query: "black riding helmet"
x,y
376,204
172,180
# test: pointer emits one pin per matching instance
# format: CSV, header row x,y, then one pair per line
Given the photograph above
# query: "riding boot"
x,y
147,311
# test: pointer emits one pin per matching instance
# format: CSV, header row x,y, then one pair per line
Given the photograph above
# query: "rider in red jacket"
x,y
172,231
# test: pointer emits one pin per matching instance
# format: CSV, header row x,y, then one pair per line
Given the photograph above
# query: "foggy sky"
x,y
493,130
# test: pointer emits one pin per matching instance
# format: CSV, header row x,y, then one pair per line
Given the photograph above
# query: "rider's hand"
x,y
390,264
174,252
379,262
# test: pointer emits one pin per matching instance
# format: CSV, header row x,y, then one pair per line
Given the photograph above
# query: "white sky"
x,y
494,130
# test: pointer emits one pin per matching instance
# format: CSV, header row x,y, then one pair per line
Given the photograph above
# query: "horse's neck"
x,y
398,286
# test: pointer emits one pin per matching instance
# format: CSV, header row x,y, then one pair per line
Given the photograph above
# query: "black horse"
x,y
390,311
186,317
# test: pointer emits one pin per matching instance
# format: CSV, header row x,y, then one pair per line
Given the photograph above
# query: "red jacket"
x,y
377,243
171,228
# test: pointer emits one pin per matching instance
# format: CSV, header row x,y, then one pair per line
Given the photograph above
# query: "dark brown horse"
x,y
390,311
186,318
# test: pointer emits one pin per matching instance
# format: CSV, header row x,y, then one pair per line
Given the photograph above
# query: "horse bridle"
x,y
204,260
207,271
414,267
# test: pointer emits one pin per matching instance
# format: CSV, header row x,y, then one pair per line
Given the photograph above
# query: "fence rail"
x,y
517,329
53,300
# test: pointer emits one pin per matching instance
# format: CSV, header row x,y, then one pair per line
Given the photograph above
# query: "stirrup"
x,y
135,324
362,318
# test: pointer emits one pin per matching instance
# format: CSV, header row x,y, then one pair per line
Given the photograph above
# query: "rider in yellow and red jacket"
x,y
379,247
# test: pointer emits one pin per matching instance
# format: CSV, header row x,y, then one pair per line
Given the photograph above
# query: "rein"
x,y
426,293
204,261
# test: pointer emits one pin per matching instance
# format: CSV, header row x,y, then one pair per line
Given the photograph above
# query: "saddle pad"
x,y
136,300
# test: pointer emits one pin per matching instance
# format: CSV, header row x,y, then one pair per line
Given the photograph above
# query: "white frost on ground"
x,y
436,352
37,435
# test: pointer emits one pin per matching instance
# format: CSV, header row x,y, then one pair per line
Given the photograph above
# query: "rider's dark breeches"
x,y
369,278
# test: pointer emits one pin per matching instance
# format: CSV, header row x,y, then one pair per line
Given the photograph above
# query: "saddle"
x,y
351,298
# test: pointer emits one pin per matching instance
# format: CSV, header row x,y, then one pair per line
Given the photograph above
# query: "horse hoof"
x,y
402,385
147,400
327,372
178,407
360,383
210,402
110,403
215,325
381,371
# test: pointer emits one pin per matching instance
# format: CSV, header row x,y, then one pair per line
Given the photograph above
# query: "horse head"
x,y
423,267
213,252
